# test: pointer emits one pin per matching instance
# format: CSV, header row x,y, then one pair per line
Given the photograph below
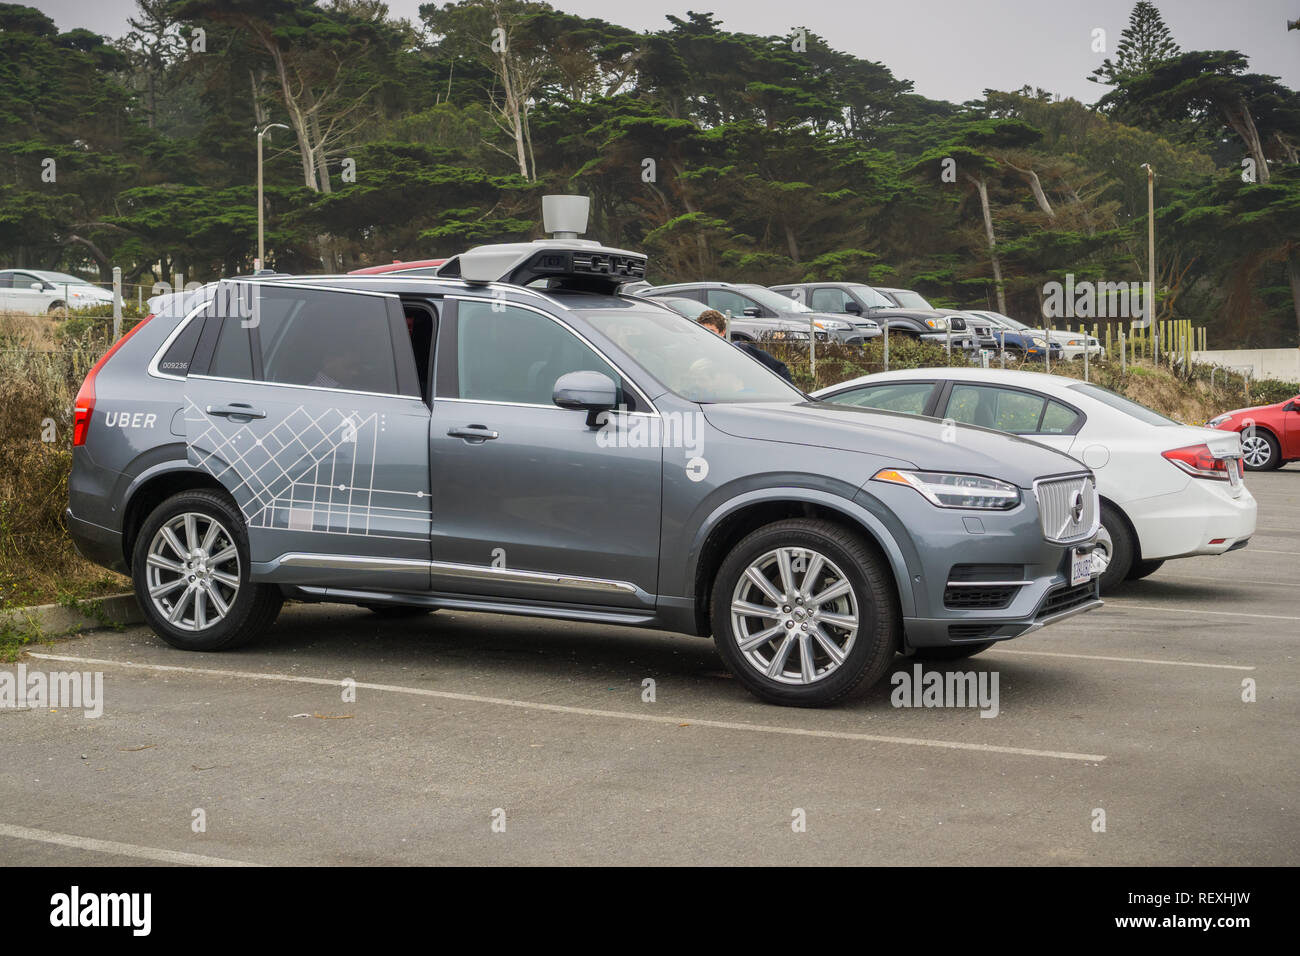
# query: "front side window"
x,y
724,300
514,355
829,300
909,397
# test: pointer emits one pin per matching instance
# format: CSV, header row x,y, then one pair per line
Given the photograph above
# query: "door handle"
x,y
236,410
473,433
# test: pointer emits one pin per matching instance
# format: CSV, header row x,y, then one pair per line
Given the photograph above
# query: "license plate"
x,y
1080,566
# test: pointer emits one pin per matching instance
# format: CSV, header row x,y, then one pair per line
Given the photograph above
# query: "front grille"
x,y
1065,599
1067,508
985,597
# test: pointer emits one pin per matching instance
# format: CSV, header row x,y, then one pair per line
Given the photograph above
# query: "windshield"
x,y
870,297
1120,403
692,361
59,278
772,300
910,300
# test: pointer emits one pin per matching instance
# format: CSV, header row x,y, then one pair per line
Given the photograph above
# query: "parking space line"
x,y
1267,551
1111,602
120,849
1126,660
588,711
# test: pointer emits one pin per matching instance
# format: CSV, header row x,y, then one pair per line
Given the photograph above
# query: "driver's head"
x,y
714,321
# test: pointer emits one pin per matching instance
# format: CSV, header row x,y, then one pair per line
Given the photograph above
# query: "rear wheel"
x,y
804,613
1260,450
1116,550
190,568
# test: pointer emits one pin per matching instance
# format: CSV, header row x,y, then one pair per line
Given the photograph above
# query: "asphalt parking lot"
x,y
462,723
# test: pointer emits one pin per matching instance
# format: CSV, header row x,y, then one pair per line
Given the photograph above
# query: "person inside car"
x,y
715,321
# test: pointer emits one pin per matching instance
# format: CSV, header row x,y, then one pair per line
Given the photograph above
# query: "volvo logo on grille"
x,y
1076,507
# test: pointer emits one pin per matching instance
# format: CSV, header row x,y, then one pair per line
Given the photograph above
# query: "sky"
x,y
950,49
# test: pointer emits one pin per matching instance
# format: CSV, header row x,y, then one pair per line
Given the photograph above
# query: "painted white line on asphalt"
x,y
589,711
120,849
1266,551
1111,602
1126,660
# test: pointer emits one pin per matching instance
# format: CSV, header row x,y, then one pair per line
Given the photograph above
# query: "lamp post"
x,y
1151,262
261,248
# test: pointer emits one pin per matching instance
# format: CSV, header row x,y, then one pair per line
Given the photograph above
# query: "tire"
x,y
1117,546
1262,449
1143,569
56,307
868,606
159,563
953,652
397,610
1014,354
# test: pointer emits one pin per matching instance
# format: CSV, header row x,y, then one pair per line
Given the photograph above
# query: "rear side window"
x,y
1058,419
176,360
233,357
1001,408
326,340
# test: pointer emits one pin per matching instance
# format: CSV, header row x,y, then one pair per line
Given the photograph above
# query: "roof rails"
x,y
566,260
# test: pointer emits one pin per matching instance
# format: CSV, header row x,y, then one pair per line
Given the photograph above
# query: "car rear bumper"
x,y
96,543
1200,519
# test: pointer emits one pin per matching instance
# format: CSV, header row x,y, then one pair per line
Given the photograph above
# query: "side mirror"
x,y
751,311
590,392
37,286
1293,405
852,307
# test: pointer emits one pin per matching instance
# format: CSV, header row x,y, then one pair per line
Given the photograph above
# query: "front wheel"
x,y
1260,451
1115,551
190,568
1143,569
804,613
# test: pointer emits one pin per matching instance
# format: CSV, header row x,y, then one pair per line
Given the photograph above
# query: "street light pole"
x,y
261,247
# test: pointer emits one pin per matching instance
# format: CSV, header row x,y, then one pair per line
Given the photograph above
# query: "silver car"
x,y
471,442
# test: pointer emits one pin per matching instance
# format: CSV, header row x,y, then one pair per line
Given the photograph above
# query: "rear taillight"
x,y
1198,461
84,406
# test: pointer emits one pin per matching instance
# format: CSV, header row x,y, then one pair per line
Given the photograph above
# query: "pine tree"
x,y
1145,43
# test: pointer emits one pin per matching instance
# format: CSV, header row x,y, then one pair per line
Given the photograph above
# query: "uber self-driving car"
x,y
514,436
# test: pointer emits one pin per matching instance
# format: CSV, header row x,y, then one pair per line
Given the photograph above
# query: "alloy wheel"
x,y
193,571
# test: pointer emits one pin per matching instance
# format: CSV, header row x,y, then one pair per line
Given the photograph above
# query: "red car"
x,y
1270,434
416,267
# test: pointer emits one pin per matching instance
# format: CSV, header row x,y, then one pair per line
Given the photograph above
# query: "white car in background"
x,y
1168,490
38,290
1073,344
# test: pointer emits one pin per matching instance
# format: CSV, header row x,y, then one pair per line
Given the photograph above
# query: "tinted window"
x,y
177,359
828,300
909,397
724,299
326,340
6,280
1058,419
515,355
233,357
1000,408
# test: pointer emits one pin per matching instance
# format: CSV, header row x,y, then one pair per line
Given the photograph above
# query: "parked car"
x,y
580,454
854,300
744,328
1167,490
981,328
747,300
1023,344
417,267
1270,434
38,290
1073,344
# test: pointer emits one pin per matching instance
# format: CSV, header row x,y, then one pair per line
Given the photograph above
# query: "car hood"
x,y
905,440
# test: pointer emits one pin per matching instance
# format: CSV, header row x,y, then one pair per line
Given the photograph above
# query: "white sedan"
x,y
1168,490
38,290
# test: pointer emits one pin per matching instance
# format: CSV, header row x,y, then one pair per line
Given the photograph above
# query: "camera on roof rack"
x,y
566,260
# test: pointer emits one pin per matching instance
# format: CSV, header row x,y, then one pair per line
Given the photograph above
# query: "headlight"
x,y
1039,341
944,490
1073,342
789,335
1216,422
833,326
939,324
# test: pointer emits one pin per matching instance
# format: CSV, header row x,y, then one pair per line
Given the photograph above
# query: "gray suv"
x,y
476,442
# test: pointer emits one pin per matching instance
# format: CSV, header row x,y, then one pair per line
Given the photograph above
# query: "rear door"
x,y
304,403
1018,411
530,502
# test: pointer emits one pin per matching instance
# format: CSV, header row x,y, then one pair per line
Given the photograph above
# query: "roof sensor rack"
x,y
567,261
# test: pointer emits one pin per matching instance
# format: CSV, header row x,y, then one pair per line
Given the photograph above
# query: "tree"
x,y
1145,43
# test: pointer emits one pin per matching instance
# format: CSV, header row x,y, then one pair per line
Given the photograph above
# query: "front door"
x,y
529,502
307,409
